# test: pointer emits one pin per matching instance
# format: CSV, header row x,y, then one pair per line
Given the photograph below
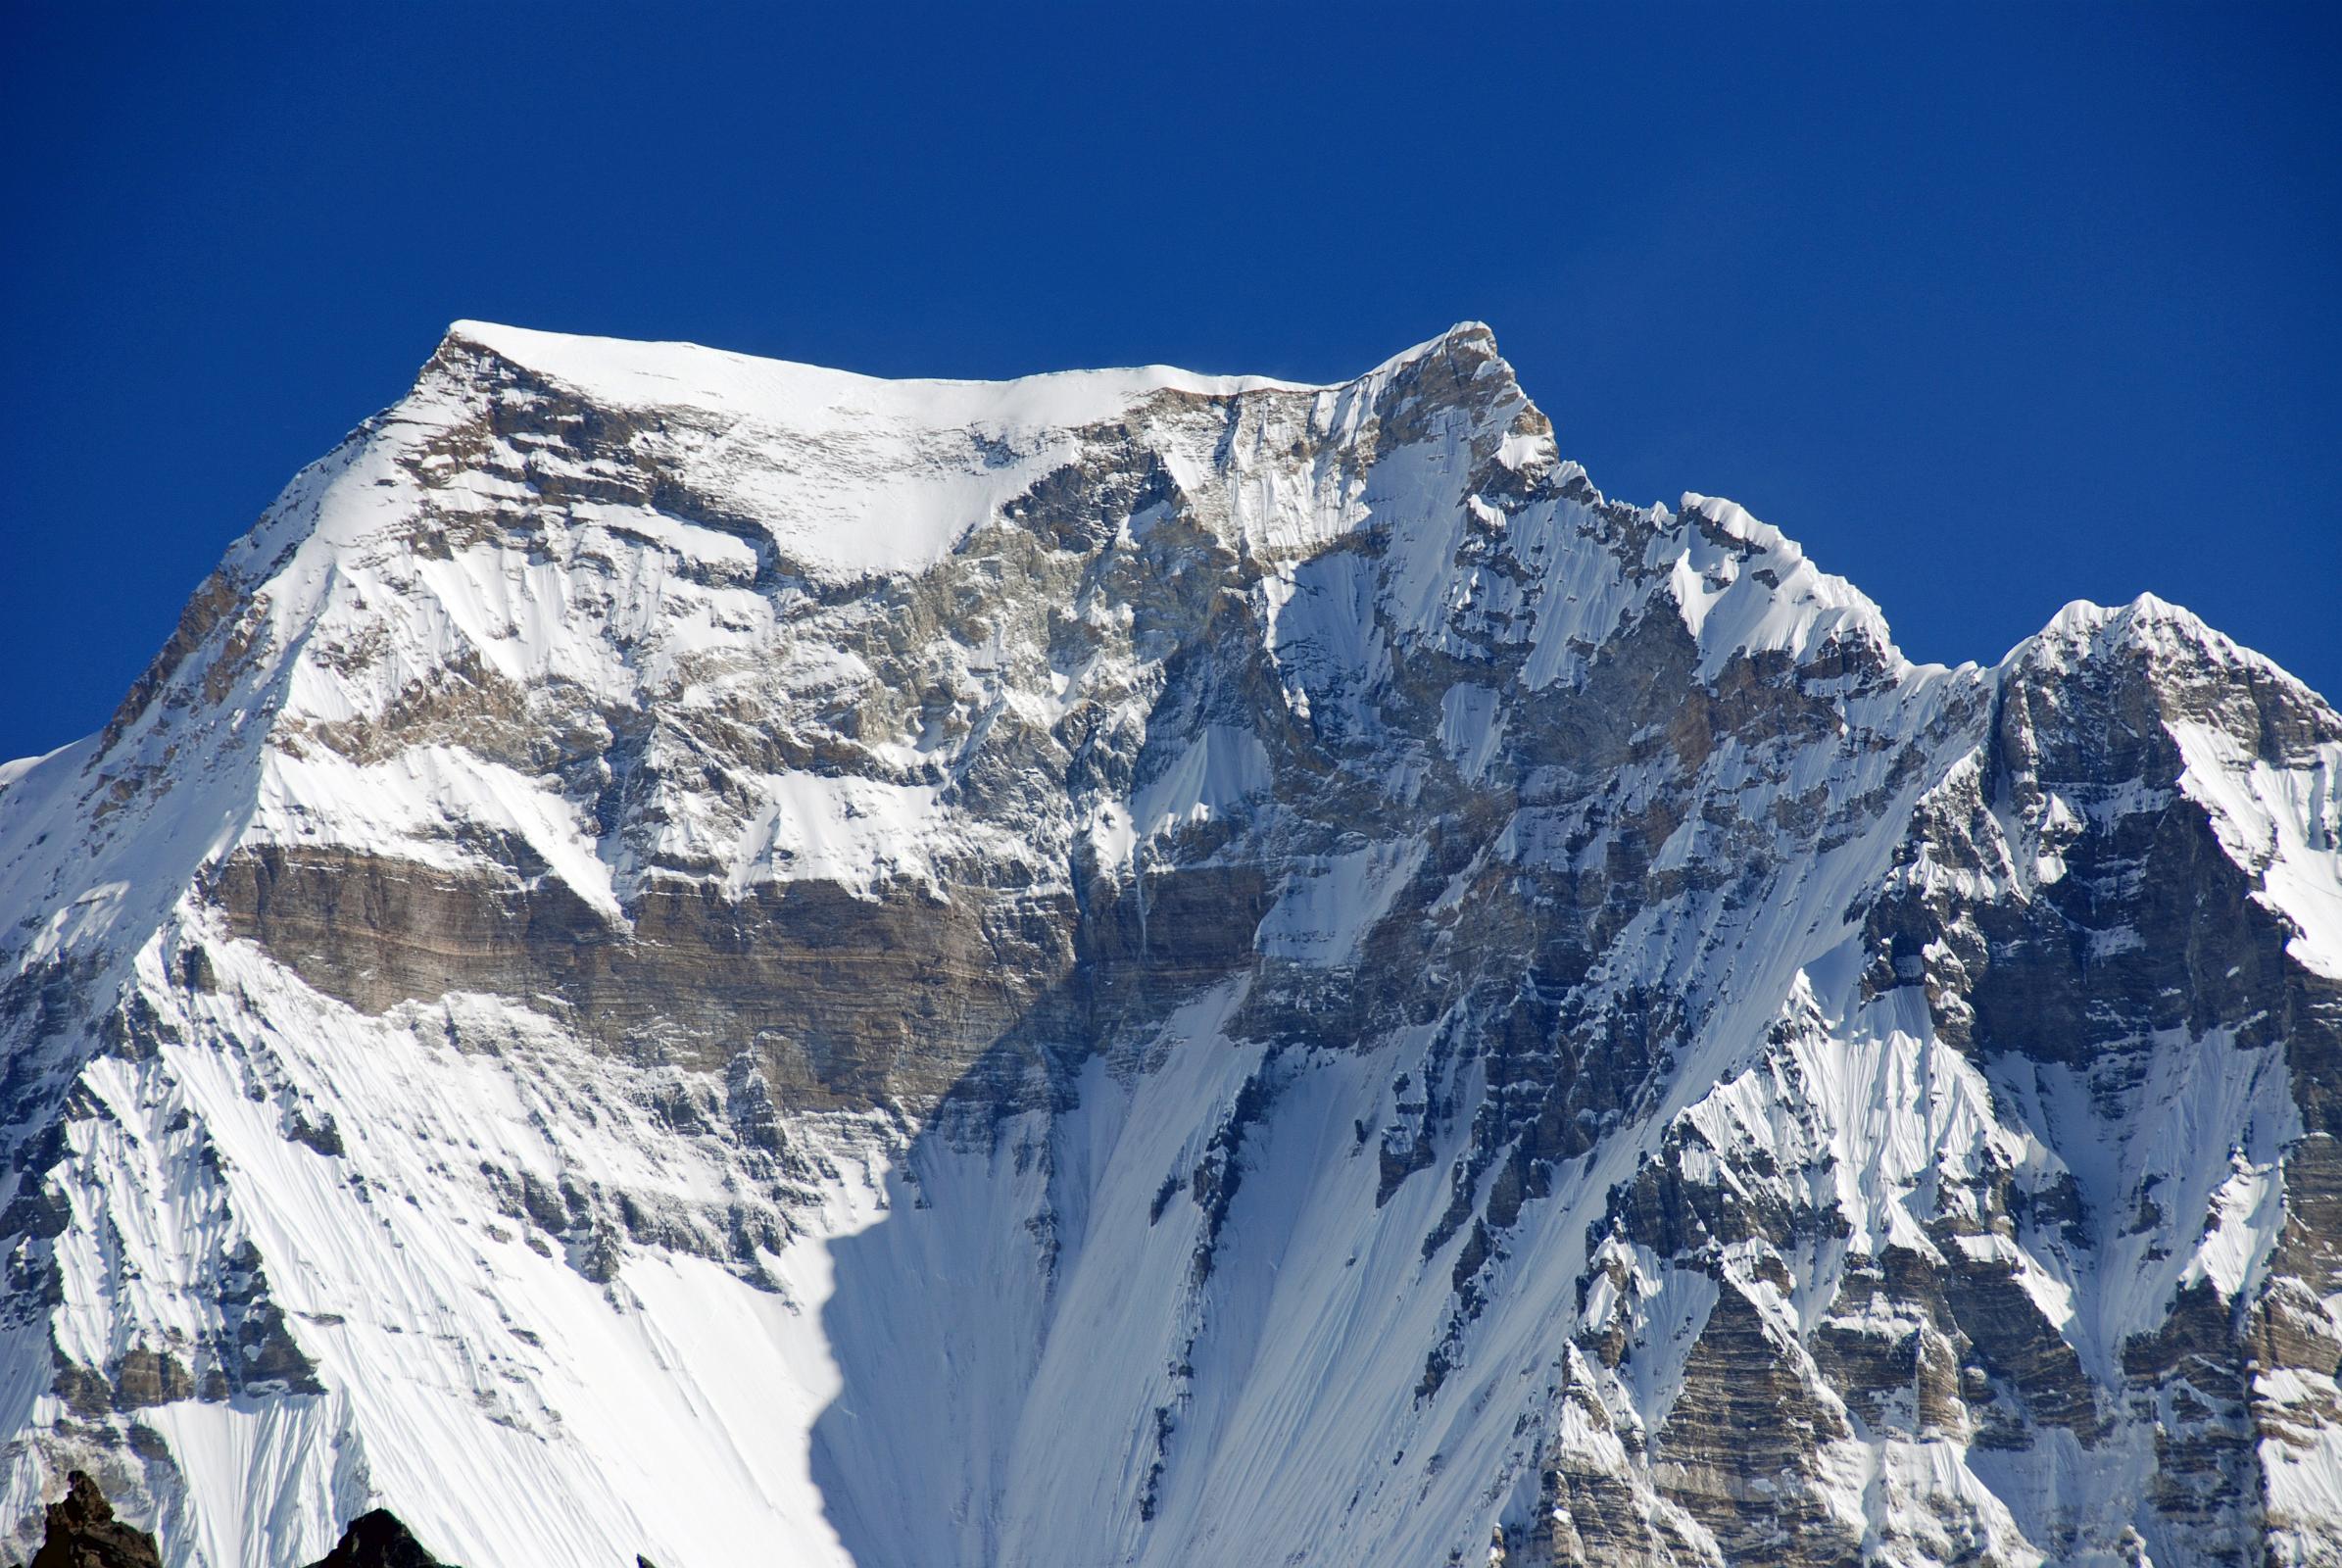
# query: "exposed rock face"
x,y
81,1532
377,1539
773,957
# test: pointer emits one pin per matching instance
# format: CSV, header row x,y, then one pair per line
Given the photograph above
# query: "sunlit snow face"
x,y
762,955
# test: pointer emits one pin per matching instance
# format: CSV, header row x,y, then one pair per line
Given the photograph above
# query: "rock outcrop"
x,y
379,1540
81,1532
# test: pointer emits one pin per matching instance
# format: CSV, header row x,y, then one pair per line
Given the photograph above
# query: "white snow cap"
x,y
815,399
2148,623
853,474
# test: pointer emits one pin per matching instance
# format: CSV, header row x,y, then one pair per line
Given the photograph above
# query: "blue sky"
x,y
1992,308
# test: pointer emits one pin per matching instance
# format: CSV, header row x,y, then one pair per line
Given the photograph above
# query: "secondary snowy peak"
x,y
682,954
1746,589
2171,641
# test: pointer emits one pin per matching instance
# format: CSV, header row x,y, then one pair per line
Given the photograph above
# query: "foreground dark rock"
x,y
379,1540
84,1534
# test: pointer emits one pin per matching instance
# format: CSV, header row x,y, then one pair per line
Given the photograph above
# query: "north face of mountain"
x,y
683,953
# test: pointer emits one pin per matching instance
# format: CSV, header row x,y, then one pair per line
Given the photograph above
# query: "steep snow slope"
x,y
692,956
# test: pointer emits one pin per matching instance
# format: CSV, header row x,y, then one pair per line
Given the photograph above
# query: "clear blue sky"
x,y
1992,308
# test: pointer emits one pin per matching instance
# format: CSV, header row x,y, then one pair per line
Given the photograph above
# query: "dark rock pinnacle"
x,y
84,1534
379,1540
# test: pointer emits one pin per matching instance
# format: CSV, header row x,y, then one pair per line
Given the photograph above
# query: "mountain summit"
x,y
689,955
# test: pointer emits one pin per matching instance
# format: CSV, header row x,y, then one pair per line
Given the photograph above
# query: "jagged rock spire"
x,y
379,1540
83,1533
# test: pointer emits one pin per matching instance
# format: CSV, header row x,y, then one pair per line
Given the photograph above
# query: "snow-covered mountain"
x,y
691,956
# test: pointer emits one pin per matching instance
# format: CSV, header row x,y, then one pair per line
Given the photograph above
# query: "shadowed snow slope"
x,y
689,955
